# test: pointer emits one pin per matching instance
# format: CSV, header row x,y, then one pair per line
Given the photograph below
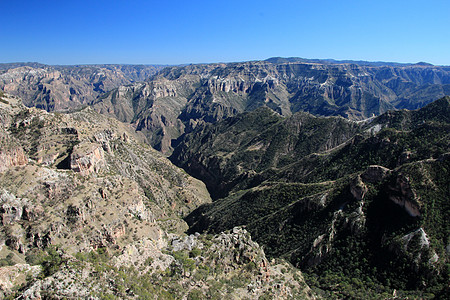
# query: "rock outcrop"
x,y
226,265
85,181
403,194
12,276
375,174
11,155
177,99
67,87
87,158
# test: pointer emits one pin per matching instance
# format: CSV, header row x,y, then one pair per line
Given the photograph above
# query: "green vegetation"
x,y
242,152
218,267
7,261
51,259
1,98
301,195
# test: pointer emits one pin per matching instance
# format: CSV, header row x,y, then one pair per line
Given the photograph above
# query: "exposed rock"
x,y
416,245
322,245
12,276
188,243
139,253
48,159
178,98
12,158
375,174
358,188
87,158
103,193
230,265
403,194
237,247
62,87
418,234
64,283
11,153
11,208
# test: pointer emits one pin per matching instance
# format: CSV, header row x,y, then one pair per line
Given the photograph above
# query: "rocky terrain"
x,y
176,99
165,103
58,88
311,165
313,190
228,265
90,210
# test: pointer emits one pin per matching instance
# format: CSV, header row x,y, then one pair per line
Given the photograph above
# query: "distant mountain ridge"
x,y
164,103
176,99
58,88
278,60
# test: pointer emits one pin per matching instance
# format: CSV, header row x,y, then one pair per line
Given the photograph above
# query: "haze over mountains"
x,y
338,167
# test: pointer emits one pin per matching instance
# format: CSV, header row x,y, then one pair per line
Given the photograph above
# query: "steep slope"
x,y
362,218
176,99
229,265
243,151
56,88
89,210
75,166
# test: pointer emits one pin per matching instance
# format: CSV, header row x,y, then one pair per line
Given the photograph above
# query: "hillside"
x,y
89,210
178,98
245,150
324,166
164,103
361,207
58,88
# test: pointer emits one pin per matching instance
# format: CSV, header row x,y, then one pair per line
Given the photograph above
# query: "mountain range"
x,y
329,193
335,168
176,99
59,88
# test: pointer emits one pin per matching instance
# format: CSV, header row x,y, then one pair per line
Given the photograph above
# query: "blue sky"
x,y
177,32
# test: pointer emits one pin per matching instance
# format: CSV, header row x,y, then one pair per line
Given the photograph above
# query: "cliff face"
x,y
86,159
11,152
178,98
91,199
61,172
56,88
315,189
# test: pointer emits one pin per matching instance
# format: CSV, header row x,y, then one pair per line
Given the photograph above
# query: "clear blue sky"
x,y
191,31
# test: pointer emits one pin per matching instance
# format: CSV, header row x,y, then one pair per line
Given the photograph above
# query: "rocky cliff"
x,y
57,88
91,211
176,99
316,189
